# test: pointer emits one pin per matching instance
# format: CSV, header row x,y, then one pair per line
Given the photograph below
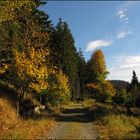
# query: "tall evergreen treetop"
x,y
134,87
81,72
134,78
64,52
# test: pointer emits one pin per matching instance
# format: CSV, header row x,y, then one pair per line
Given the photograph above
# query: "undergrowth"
x,y
113,122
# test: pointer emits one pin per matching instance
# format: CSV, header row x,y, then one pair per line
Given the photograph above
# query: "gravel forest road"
x,y
75,122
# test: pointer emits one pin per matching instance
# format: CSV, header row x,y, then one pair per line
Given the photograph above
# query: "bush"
x,y
126,98
104,91
107,92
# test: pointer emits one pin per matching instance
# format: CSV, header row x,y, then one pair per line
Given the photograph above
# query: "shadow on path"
x,y
74,122
74,115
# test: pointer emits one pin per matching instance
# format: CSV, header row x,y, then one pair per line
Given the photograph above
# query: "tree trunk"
x,y
134,95
60,104
17,108
40,98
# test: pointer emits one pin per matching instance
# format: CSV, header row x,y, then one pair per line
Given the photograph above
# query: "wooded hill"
x,y
119,84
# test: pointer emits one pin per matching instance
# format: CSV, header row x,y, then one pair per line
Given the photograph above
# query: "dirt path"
x,y
74,122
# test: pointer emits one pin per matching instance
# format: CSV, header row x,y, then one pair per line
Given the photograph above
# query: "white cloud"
x,y
133,59
122,15
120,12
125,28
123,66
97,44
131,62
129,66
123,34
125,9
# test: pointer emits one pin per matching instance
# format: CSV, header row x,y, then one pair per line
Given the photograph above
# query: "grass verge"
x,y
113,122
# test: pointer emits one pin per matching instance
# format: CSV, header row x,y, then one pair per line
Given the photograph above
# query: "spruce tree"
x,y
134,87
81,73
64,54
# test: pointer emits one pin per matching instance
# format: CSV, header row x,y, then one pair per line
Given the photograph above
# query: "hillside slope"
x,y
13,127
119,84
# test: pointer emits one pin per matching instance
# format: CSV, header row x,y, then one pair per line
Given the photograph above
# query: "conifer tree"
x,y
81,73
134,87
64,53
98,66
98,83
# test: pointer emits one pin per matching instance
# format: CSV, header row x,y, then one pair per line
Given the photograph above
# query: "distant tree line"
x,y
128,94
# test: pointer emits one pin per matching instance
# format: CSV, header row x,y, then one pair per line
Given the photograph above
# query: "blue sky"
x,y
113,26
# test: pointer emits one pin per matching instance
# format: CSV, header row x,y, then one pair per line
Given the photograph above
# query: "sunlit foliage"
x,y
98,66
98,85
58,91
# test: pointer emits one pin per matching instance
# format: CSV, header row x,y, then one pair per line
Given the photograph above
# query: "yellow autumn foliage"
x,y
93,86
108,89
3,68
7,10
104,92
58,88
31,68
62,85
